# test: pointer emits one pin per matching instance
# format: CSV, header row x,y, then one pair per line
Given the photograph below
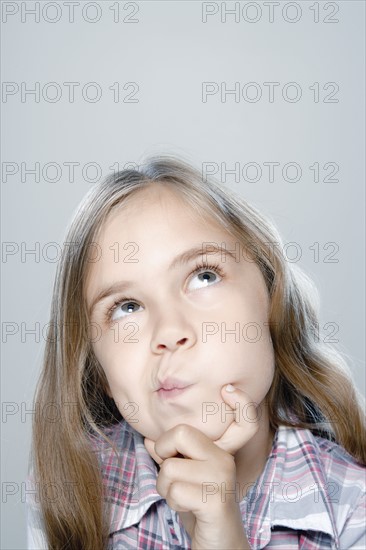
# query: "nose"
x,y
171,334
179,343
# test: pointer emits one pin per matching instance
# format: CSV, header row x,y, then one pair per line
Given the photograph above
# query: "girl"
x,y
197,408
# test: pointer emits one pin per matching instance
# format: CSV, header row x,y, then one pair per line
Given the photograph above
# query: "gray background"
x,y
169,52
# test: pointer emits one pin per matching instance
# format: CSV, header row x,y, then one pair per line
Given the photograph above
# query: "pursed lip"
x,y
172,384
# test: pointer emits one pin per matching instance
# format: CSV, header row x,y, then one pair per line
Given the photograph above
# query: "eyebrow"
x,y
182,259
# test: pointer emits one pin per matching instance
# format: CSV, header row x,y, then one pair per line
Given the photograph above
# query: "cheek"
x,y
259,376
252,364
115,363
267,380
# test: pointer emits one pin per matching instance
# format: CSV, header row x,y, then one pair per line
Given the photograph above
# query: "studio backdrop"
x,y
267,97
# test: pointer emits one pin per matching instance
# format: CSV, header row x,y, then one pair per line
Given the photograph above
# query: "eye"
x,y
124,305
206,275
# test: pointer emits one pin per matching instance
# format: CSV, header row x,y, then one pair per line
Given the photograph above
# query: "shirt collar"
x,y
291,491
130,478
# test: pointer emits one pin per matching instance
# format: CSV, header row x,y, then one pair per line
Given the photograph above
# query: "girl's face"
x,y
206,329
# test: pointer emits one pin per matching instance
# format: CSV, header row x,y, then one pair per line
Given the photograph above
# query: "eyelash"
x,y
199,267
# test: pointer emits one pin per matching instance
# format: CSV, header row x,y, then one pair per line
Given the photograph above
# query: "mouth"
x,y
171,387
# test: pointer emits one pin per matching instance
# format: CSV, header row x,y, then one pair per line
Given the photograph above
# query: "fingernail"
x,y
230,388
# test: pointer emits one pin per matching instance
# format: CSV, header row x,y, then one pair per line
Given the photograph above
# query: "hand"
x,y
203,482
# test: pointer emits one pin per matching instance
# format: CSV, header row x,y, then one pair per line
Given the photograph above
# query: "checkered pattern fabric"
x,y
310,496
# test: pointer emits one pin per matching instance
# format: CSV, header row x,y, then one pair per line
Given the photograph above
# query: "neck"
x,y
251,459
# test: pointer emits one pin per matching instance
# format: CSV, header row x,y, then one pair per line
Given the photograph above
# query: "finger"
x,y
184,497
188,441
150,447
173,470
246,420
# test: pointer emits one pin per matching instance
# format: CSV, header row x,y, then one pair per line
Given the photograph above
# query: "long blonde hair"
x,y
312,386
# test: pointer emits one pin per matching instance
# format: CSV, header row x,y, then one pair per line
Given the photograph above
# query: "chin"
x,y
213,428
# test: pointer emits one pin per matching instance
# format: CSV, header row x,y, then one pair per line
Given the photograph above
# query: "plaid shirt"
x,y
310,496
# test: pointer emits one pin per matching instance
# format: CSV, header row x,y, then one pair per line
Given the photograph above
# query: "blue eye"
x,y
206,271
124,301
129,307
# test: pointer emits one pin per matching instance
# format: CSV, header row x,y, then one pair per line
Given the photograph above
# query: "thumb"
x,y
150,447
246,421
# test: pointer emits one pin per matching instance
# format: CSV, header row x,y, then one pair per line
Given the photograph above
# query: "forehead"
x,y
148,230
152,228
158,206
